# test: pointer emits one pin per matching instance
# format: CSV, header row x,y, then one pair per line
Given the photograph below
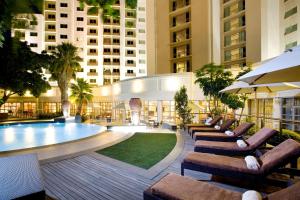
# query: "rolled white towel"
x,y
241,143
217,127
207,123
208,120
251,195
252,163
229,133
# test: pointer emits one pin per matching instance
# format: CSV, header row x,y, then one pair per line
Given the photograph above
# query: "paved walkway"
x,y
97,177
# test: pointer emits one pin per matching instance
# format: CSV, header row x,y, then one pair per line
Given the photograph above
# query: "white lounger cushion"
x,y
241,143
251,195
252,163
229,133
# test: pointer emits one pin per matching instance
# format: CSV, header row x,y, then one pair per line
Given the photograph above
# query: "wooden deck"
x,y
86,177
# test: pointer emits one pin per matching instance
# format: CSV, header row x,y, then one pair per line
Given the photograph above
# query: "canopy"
x,y
283,68
120,106
240,87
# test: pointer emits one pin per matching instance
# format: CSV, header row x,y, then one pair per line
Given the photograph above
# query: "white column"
x,y
159,111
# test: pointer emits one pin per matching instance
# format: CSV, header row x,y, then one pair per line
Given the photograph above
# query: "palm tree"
x,y
63,69
81,93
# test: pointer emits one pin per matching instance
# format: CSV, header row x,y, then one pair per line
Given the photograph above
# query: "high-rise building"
x,y
183,35
111,49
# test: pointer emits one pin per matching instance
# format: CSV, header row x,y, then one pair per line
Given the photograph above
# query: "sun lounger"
x,y
221,165
216,136
214,122
223,127
232,148
21,178
177,187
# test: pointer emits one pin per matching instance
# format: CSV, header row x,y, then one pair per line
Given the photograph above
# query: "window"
x,y
130,62
51,48
141,8
63,5
129,71
116,70
93,71
34,23
51,6
187,17
116,41
92,80
51,27
116,60
93,31
142,42
227,40
79,9
290,12
93,21
116,21
106,50
33,45
242,21
106,60
226,26
116,31
291,45
116,50
227,11
291,29
142,52
93,50
107,21
93,61
79,18
79,29
142,20
64,26
63,36
51,16
93,41
129,42
130,33
227,55
106,30
51,37
64,15
142,61
130,52
33,34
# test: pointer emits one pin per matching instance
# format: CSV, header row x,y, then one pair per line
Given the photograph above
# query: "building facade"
x,y
111,49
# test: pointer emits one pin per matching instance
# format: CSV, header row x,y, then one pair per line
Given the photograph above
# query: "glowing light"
x,y
105,91
137,86
50,135
116,89
172,84
50,92
27,93
29,135
9,135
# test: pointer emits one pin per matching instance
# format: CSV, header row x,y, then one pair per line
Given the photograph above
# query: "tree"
x,y
212,79
81,93
21,70
65,65
181,106
9,10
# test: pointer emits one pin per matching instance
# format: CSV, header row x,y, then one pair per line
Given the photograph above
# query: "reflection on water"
x,y
9,135
13,137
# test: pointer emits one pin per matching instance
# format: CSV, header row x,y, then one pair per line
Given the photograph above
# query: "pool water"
x,y
22,136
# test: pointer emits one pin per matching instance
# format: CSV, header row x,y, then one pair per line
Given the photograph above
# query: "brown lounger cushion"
x,y
224,127
289,193
175,187
283,151
219,145
219,162
242,129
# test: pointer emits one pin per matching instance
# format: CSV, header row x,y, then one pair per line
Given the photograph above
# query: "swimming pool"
x,y
22,136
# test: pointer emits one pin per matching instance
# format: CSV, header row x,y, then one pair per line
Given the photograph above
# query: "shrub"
x,y
49,115
286,134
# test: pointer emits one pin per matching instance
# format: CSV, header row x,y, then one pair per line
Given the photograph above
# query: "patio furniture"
x,y
216,136
223,127
286,152
21,178
173,186
232,148
214,122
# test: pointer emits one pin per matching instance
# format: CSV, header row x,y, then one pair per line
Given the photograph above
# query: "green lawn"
x,y
142,149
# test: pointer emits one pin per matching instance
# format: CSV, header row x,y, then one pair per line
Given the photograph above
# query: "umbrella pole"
x,y
256,106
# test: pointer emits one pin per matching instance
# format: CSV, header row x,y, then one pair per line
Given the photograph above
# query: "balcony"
x,y
107,72
92,63
130,74
92,73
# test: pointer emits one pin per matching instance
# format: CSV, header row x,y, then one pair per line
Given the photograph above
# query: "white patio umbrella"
x,y
283,68
240,87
